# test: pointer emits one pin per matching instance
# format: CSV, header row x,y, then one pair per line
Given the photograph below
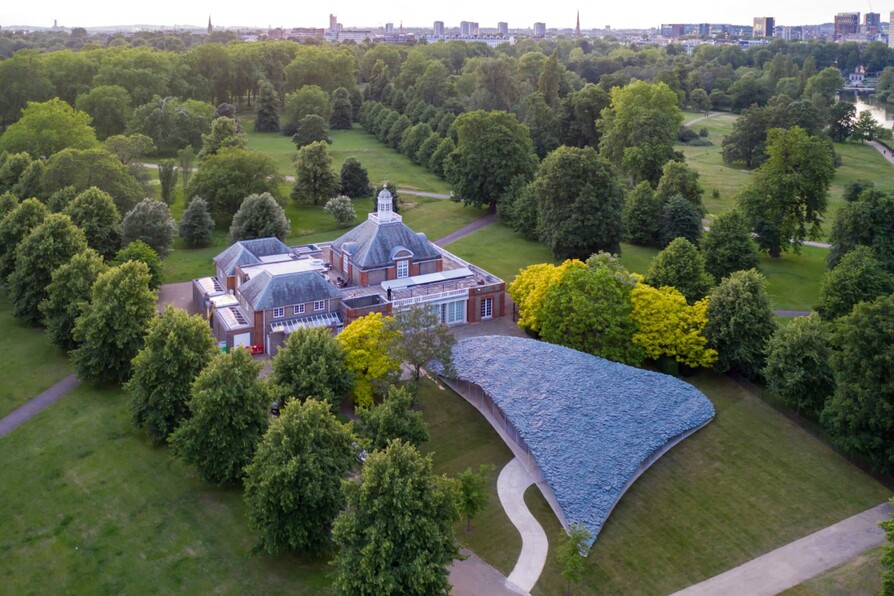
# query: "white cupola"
x,y
385,209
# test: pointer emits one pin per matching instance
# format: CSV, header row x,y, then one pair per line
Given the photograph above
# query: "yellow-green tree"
x,y
368,344
668,326
530,286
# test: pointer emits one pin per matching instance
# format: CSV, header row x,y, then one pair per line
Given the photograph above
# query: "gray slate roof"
x,y
265,290
373,243
247,252
589,422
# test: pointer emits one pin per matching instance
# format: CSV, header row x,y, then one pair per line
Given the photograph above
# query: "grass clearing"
x,y
747,483
30,363
861,576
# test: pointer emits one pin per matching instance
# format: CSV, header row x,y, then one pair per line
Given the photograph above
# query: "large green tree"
x,y
225,179
858,277
393,419
225,133
228,416
293,484
150,221
678,179
354,179
109,106
728,246
639,129
197,225
395,534
141,252
315,181
173,124
307,101
177,347
50,245
740,322
95,213
259,216
14,227
858,415
69,289
421,340
580,201
680,265
492,148
112,325
311,364
82,169
679,219
642,215
47,128
799,369
267,119
865,221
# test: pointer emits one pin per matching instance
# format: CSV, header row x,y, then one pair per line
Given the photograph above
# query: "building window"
x,y
487,308
319,305
344,263
279,312
299,309
453,312
403,269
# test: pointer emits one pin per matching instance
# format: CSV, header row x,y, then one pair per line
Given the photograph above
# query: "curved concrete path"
x,y
705,117
466,229
798,561
883,150
514,480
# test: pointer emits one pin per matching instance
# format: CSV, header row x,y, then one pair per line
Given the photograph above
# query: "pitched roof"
x,y
372,244
249,252
267,290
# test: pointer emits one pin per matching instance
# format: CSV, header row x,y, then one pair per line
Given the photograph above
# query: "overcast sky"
x,y
555,13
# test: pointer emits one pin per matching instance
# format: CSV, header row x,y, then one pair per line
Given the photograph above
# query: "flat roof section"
x,y
284,267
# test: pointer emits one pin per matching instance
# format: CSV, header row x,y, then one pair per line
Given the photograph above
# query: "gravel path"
x,y
798,561
27,411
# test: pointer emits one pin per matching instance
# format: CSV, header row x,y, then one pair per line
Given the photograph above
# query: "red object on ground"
x,y
256,349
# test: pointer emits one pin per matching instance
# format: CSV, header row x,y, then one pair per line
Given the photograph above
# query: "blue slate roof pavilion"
x,y
585,427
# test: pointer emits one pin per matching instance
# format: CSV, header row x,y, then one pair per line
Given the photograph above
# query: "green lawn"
x,y
499,250
747,483
30,364
861,576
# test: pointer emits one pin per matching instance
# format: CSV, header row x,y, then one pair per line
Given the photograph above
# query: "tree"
x,y
438,161
473,494
864,222
127,148
799,369
590,311
825,85
395,534
49,245
857,415
307,101
47,128
225,134
311,129
888,556
342,209
580,111
747,141
678,179
580,202
94,212
543,124
392,419
680,219
427,149
197,225
841,121
30,183
570,555
173,124
141,252
529,289
396,131
413,138
550,80
342,117
314,180
14,227
642,215
368,342
492,148
12,169
293,483
225,179
260,216
858,277
792,189
108,106
151,222
8,202
354,179
422,339
69,288
92,167
639,129
699,100
112,325
740,322
177,347
680,265
854,189
865,128
312,364
668,327
185,158
267,119
728,246
167,178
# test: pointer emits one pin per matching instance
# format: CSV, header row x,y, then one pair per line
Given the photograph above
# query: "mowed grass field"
x,y
29,364
861,576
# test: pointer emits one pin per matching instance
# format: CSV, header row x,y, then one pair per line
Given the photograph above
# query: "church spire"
x,y
577,29
210,29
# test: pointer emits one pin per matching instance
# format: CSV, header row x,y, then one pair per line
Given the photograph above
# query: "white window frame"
x,y
345,263
319,305
487,308
279,312
452,313
403,269
299,309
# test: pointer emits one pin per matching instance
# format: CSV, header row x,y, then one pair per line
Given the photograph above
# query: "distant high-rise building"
x,y
468,29
763,26
439,28
891,31
790,33
333,23
673,30
846,23
503,28
539,29
704,29
871,22
389,28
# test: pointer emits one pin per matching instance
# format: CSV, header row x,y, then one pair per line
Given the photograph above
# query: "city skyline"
x,y
351,13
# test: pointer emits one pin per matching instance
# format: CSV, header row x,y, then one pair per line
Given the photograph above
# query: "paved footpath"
x,y
883,150
512,483
467,229
696,120
800,560
31,408
473,577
